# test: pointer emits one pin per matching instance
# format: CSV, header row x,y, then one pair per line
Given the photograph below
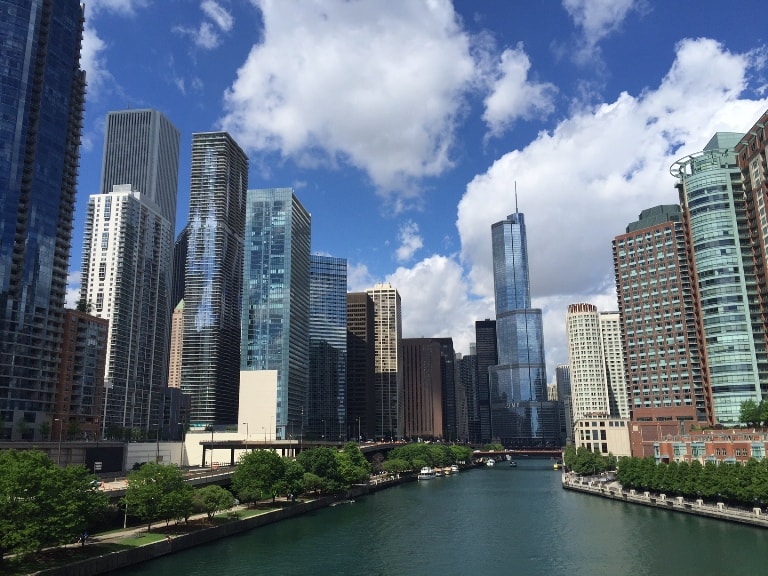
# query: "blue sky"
x,y
404,125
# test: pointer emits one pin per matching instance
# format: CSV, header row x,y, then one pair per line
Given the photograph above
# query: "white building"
x,y
126,278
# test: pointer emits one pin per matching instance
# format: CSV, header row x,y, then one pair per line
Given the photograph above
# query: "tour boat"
x,y
427,473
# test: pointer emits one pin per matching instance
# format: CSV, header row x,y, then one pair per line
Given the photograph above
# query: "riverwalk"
x,y
614,491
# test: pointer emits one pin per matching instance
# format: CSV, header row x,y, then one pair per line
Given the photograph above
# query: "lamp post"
x,y
359,437
157,443
246,436
323,428
61,433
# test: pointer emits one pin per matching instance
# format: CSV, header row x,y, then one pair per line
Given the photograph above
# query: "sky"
x,y
405,126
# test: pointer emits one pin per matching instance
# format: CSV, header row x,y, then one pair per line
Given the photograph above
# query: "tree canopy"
x,y
158,492
259,474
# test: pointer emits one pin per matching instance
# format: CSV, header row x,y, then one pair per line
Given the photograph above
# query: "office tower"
x,y
276,295
177,346
361,362
388,331
43,92
326,396
81,377
213,279
487,356
466,395
666,375
715,219
448,387
141,148
521,415
126,277
563,382
422,397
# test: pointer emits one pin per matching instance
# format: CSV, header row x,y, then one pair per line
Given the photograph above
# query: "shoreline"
x,y
718,511
112,561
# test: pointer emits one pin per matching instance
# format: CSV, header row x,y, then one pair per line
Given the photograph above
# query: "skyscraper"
x,y
214,280
326,396
361,406
141,148
276,301
715,219
521,414
41,112
422,389
487,356
563,382
388,329
667,378
126,278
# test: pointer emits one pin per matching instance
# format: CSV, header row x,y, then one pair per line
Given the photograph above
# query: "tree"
x,y
750,413
294,477
353,468
158,492
212,499
259,474
323,463
41,504
569,457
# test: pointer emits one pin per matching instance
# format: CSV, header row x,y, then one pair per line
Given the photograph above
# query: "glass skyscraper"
x,y
715,217
41,113
521,414
276,296
213,280
326,396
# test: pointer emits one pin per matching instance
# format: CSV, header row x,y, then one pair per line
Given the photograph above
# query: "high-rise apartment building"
x,y
388,335
41,113
177,346
521,414
126,276
666,374
326,395
715,219
361,362
276,302
586,357
81,377
141,148
213,279
487,356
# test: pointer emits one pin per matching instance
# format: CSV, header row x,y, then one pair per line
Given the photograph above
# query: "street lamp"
x,y
246,436
323,428
157,442
61,433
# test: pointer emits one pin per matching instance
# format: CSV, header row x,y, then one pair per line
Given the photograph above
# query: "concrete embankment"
x,y
111,561
718,511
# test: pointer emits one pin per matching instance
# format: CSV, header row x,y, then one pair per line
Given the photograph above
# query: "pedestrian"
x,y
168,538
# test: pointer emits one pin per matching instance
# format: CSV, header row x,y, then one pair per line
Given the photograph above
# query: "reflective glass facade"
x,y
41,111
326,397
275,312
213,281
521,414
714,212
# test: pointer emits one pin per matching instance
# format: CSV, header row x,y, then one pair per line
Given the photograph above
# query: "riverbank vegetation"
x,y
416,456
738,484
583,461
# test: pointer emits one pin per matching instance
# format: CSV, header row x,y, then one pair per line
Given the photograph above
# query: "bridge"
x,y
555,453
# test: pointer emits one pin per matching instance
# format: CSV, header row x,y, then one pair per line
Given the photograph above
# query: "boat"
x,y
454,469
490,462
557,466
513,463
426,473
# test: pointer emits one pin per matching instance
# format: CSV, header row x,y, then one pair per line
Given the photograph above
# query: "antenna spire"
x,y
516,211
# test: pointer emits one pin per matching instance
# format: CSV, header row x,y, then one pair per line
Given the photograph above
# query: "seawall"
x,y
111,561
719,510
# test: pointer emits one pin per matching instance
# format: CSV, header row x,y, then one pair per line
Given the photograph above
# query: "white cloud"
x,y
598,18
582,183
73,290
220,15
377,85
513,96
124,7
435,301
410,241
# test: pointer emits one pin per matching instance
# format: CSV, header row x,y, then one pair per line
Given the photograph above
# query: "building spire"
x,y
516,210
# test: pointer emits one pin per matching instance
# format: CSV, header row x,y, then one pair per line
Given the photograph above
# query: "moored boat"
x,y
490,462
426,473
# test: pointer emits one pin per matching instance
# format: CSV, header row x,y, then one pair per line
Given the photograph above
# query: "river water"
x,y
488,521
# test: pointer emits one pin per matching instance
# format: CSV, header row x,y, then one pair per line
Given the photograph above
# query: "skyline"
x,y
404,127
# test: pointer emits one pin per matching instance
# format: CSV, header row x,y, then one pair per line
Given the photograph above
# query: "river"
x,y
488,521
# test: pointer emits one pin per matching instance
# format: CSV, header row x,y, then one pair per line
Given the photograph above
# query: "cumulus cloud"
x,y
410,241
208,34
512,96
220,15
580,184
376,85
597,19
73,290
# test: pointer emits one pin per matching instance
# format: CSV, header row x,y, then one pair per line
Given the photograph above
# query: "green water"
x,y
488,521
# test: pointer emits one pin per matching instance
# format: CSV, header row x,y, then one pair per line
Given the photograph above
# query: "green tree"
x,y
294,477
259,474
353,468
41,504
212,499
395,465
323,463
750,413
460,453
158,492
